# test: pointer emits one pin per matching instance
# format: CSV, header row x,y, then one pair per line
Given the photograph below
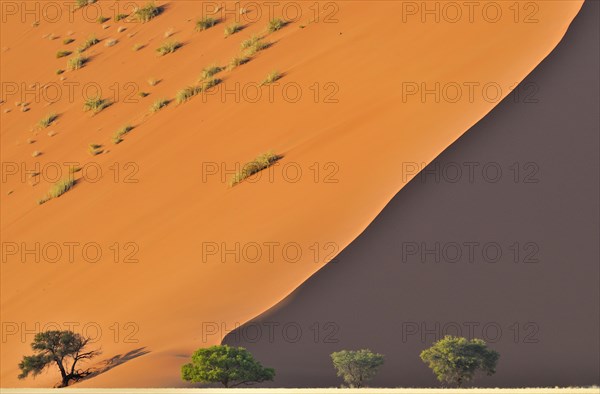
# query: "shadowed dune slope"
x,y
157,200
409,278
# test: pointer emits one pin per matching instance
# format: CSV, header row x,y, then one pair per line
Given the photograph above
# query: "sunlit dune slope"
x,y
345,116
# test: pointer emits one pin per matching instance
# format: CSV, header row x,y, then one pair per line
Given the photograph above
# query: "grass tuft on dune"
x,y
58,189
87,44
253,45
206,23
83,3
159,104
261,162
187,93
168,47
273,76
210,71
60,54
147,12
119,134
232,29
47,120
95,104
276,24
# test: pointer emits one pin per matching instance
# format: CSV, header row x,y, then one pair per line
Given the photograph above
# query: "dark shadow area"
x,y
495,239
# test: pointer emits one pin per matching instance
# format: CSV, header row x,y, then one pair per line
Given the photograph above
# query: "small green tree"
x,y
57,347
456,360
356,366
230,366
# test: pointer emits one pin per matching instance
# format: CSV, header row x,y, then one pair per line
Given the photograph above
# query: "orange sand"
x,y
369,135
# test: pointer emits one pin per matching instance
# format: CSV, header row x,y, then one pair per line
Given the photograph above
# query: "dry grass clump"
x,y
210,71
120,17
260,163
276,24
67,41
101,19
159,104
247,43
187,93
205,23
83,3
250,47
76,62
60,54
58,189
211,83
61,187
118,136
95,149
238,61
137,47
111,42
147,12
91,41
168,47
253,45
47,120
232,29
95,104
271,77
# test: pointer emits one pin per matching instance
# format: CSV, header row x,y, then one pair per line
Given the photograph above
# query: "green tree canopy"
x,y
456,360
60,348
230,366
356,366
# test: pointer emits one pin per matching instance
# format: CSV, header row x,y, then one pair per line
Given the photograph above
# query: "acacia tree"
x,y
230,366
456,359
356,366
61,348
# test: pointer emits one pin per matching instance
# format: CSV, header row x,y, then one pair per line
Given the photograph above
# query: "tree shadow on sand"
x,y
108,364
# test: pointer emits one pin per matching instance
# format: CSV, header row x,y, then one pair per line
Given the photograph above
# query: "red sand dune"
x,y
367,141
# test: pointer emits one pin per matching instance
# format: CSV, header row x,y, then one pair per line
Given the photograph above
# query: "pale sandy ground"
x,y
170,293
321,390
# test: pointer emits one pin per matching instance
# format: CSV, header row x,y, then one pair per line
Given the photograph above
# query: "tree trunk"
x,y
63,373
